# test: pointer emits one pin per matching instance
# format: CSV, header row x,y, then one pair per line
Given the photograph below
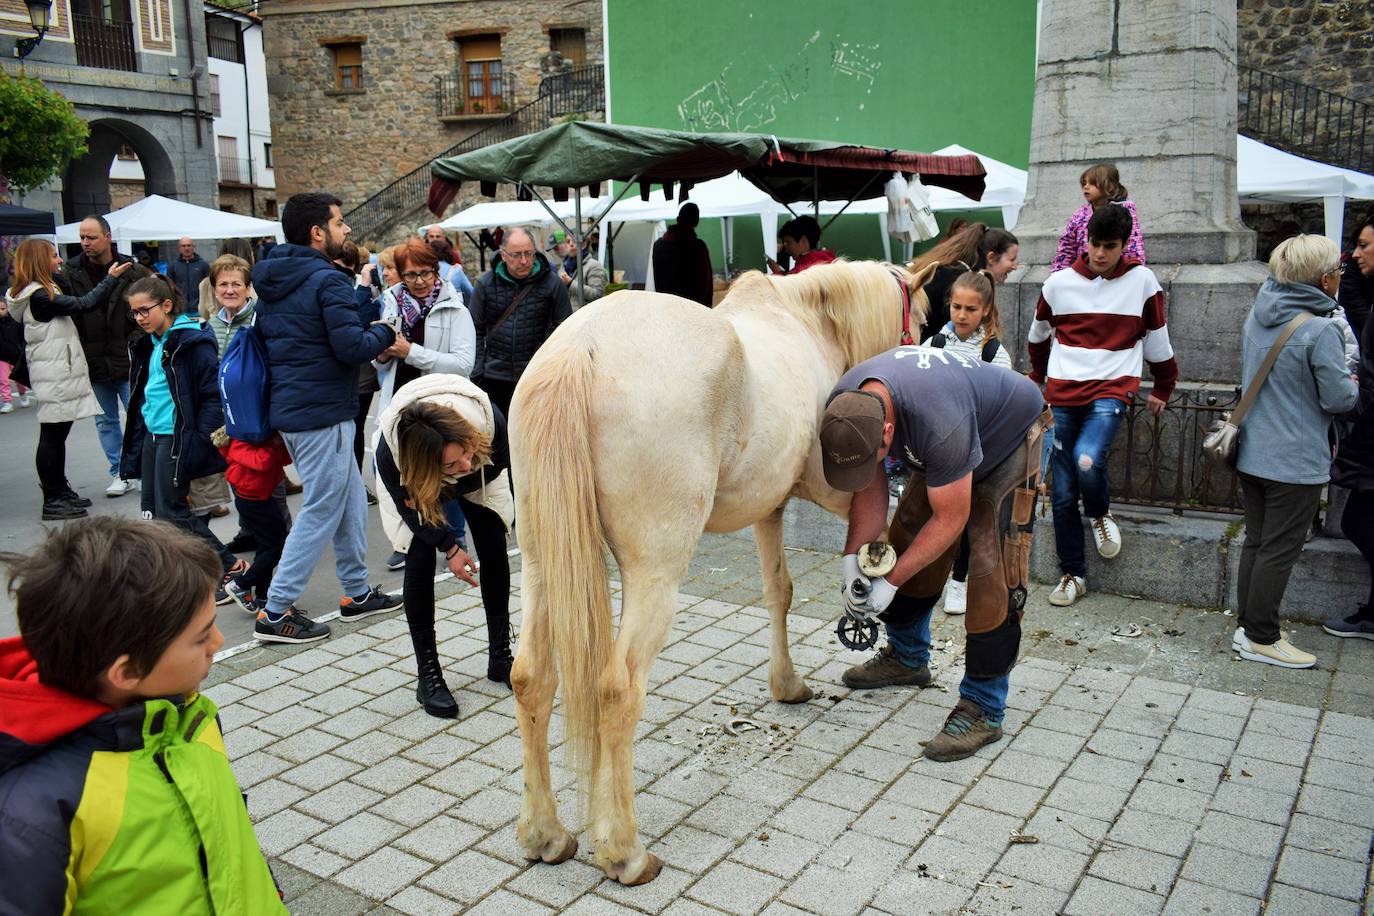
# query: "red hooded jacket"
x,y
255,469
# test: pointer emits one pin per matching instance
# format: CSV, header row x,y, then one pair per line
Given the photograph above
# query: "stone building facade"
x,y
352,131
1328,44
134,70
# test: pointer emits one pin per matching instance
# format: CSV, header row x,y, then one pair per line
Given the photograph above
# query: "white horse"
x,y
642,422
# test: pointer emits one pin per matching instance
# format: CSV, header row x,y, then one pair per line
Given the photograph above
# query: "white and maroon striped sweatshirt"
x,y
1091,334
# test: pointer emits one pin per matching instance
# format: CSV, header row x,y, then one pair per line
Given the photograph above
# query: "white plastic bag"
x,y
909,216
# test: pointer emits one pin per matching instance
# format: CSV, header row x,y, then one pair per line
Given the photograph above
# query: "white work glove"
x,y
880,595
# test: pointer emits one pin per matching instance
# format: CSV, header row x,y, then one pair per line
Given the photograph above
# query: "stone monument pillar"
x,y
1151,86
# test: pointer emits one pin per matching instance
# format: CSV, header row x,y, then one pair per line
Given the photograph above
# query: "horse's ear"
x,y
921,277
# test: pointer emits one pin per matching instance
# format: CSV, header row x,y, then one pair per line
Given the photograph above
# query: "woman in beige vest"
x,y
57,366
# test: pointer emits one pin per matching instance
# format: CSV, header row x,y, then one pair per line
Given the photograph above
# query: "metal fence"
x,y
1305,120
104,44
574,91
450,98
1158,461
235,169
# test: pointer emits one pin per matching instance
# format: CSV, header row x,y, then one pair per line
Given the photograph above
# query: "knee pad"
x,y
993,654
905,611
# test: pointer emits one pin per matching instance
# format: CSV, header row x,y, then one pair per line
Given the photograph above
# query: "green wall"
x,y
915,76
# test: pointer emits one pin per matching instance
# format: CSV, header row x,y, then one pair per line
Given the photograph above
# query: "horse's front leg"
x,y
534,678
783,681
645,616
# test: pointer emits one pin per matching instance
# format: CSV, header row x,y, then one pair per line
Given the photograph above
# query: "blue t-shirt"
x,y
159,413
954,412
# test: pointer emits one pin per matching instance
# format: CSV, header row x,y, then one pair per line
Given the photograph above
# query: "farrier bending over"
x,y
971,433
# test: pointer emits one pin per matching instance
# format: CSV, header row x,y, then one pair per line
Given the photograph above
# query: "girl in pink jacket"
x,y
1101,186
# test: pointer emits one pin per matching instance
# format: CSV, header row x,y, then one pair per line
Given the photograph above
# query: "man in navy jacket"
x,y
315,343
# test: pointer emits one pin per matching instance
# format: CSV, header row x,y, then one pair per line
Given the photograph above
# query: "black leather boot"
x,y
431,692
499,659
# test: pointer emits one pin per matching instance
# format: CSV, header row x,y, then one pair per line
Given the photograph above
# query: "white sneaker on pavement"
x,y
1282,653
119,486
6,407
26,399
1069,590
956,597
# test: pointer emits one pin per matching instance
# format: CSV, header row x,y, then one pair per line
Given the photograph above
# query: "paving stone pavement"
x,y
1159,775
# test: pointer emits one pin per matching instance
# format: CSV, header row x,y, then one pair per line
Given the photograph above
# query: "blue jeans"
x,y
912,646
109,395
1082,439
334,508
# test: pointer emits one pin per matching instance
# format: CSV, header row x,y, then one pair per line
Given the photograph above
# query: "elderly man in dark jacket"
x,y
515,307
187,271
315,343
106,335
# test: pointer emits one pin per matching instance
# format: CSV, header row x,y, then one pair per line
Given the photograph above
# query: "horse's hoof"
x,y
652,867
802,695
562,855
553,852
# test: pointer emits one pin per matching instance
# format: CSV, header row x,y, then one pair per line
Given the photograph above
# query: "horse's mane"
x,y
857,303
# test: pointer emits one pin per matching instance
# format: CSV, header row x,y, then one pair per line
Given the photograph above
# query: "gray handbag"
x,y
1222,442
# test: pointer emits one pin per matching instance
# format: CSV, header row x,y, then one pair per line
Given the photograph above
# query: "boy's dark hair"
x,y
804,227
1110,223
305,211
158,288
105,587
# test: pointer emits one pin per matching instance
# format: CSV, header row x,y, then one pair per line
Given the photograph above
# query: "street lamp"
x,y
38,17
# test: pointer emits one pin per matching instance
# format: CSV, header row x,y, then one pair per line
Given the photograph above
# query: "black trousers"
x,y
500,391
167,500
1357,524
1277,516
488,535
961,559
263,519
364,405
50,458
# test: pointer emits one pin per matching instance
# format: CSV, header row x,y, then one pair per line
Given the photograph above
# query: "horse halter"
x,y
906,310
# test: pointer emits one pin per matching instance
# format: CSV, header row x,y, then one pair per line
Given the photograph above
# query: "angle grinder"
x,y
876,558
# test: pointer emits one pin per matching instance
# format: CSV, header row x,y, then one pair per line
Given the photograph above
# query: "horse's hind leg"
x,y
534,678
645,616
783,681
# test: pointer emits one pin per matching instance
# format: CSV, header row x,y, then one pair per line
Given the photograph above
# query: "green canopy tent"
x,y
586,154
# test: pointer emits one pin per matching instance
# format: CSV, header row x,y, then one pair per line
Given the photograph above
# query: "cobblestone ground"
x,y
1157,774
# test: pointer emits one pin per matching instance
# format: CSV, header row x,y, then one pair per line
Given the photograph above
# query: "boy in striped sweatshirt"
x,y
1094,325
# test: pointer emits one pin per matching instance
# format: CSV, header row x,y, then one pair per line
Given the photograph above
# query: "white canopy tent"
x,y
517,213
1267,175
156,217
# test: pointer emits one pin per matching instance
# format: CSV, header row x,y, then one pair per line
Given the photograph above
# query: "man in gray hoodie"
x,y
1285,446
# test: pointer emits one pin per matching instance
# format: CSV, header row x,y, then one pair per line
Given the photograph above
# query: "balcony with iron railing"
x,y
104,44
1305,120
574,92
451,99
235,170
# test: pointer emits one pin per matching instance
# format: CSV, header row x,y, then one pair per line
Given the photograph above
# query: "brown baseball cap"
x,y
851,434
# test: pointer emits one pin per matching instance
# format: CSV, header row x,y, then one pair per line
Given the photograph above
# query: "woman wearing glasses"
x,y
435,333
57,365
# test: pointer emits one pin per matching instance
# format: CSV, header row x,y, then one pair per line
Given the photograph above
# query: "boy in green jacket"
x,y
115,790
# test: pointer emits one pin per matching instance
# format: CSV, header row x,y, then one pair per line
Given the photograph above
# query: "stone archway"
x,y
86,185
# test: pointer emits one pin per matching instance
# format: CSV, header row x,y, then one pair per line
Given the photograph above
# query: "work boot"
x,y
884,669
432,692
965,731
499,658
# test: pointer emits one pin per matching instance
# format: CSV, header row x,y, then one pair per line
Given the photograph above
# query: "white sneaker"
x,y
1107,535
6,407
26,399
1282,653
119,486
956,597
1069,590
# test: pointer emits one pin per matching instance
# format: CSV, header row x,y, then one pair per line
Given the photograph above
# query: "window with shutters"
x,y
482,73
571,43
215,108
348,66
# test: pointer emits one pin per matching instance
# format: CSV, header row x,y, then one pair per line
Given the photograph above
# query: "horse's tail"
x,y
560,529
